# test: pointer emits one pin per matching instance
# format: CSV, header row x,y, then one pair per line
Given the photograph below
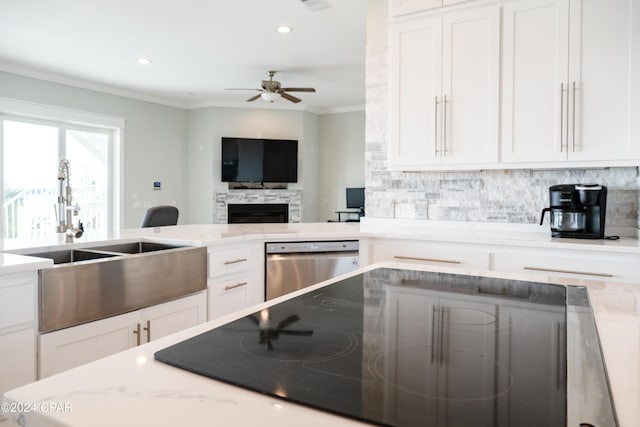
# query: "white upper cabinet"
x,y
416,85
534,90
602,77
444,94
403,7
568,81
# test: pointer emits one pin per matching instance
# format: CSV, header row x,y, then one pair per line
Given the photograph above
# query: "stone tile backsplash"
x,y
291,197
511,196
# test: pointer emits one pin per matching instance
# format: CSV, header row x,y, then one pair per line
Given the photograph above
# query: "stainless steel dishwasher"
x,y
295,265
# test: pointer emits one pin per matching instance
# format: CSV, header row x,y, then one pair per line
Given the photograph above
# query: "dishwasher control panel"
x,y
317,246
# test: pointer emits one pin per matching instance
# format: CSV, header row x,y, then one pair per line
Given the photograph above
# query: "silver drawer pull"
x,y
553,270
238,285
446,261
235,261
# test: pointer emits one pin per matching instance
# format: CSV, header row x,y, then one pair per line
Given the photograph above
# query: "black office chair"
x,y
160,215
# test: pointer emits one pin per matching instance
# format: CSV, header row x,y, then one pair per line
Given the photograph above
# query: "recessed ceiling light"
x,y
144,61
284,29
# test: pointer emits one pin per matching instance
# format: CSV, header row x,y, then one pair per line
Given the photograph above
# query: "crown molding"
x,y
110,90
84,84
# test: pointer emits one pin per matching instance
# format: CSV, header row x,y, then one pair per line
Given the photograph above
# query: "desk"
x,y
349,213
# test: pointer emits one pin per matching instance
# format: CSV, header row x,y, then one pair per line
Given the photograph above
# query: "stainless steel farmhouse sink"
x,y
94,283
71,255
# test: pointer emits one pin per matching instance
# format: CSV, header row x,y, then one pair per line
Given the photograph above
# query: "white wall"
x,y
331,155
342,142
206,127
181,148
154,139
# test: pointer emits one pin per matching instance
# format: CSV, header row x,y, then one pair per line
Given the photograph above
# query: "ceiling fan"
x,y
271,90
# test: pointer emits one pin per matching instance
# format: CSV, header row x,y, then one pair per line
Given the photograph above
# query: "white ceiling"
x,y
198,48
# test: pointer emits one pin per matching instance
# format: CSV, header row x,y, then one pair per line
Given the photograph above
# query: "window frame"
x,y
68,119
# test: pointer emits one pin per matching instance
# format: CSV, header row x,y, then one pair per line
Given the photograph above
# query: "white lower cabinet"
x,y
75,346
429,253
611,267
17,330
236,277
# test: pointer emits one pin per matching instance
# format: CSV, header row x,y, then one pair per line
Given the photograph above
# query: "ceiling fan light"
x,y
270,96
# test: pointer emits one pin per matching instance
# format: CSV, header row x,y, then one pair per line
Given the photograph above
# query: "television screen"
x,y
355,198
259,160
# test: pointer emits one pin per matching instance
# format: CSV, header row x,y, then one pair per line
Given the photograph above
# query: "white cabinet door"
x,y
165,319
570,79
18,362
602,77
18,299
444,93
17,330
402,7
471,86
68,348
534,89
416,87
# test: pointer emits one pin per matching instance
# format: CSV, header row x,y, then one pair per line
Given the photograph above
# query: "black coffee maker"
x,y
577,210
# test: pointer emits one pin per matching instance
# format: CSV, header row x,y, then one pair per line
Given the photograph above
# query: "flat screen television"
x,y
259,160
355,198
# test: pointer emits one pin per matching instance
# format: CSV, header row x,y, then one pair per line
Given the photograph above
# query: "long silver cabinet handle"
x,y
411,258
137,334
238,285
235,261
573,120
435,126
148,330
561,116
444,125
554,270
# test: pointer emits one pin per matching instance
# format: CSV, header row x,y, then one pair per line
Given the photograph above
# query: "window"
x,y
32,150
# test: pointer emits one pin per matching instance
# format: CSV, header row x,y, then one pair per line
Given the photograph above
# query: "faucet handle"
x,y
80,226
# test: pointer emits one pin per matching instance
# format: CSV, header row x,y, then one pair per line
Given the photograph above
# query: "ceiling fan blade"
x,y
235,88
298,89
253,98
290,97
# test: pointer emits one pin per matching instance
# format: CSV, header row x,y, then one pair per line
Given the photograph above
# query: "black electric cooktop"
x,y
401,347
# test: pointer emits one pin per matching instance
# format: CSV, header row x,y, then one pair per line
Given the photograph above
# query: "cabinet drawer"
x,y
17,299
607,267
228,261
428,254
229,296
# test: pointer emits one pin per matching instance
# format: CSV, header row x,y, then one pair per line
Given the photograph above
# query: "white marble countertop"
x,y
131,388
438,231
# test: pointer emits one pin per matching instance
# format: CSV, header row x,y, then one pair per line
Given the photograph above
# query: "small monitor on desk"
x,y
355,198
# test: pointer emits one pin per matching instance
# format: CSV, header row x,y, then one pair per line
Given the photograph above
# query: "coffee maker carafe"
x,y
577,210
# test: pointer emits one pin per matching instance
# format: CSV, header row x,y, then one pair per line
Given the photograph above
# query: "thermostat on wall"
x,y
157,185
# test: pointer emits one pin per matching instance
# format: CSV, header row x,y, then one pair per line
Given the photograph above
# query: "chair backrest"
x,y
160,215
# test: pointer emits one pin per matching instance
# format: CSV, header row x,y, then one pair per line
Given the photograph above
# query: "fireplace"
x,y
239,213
